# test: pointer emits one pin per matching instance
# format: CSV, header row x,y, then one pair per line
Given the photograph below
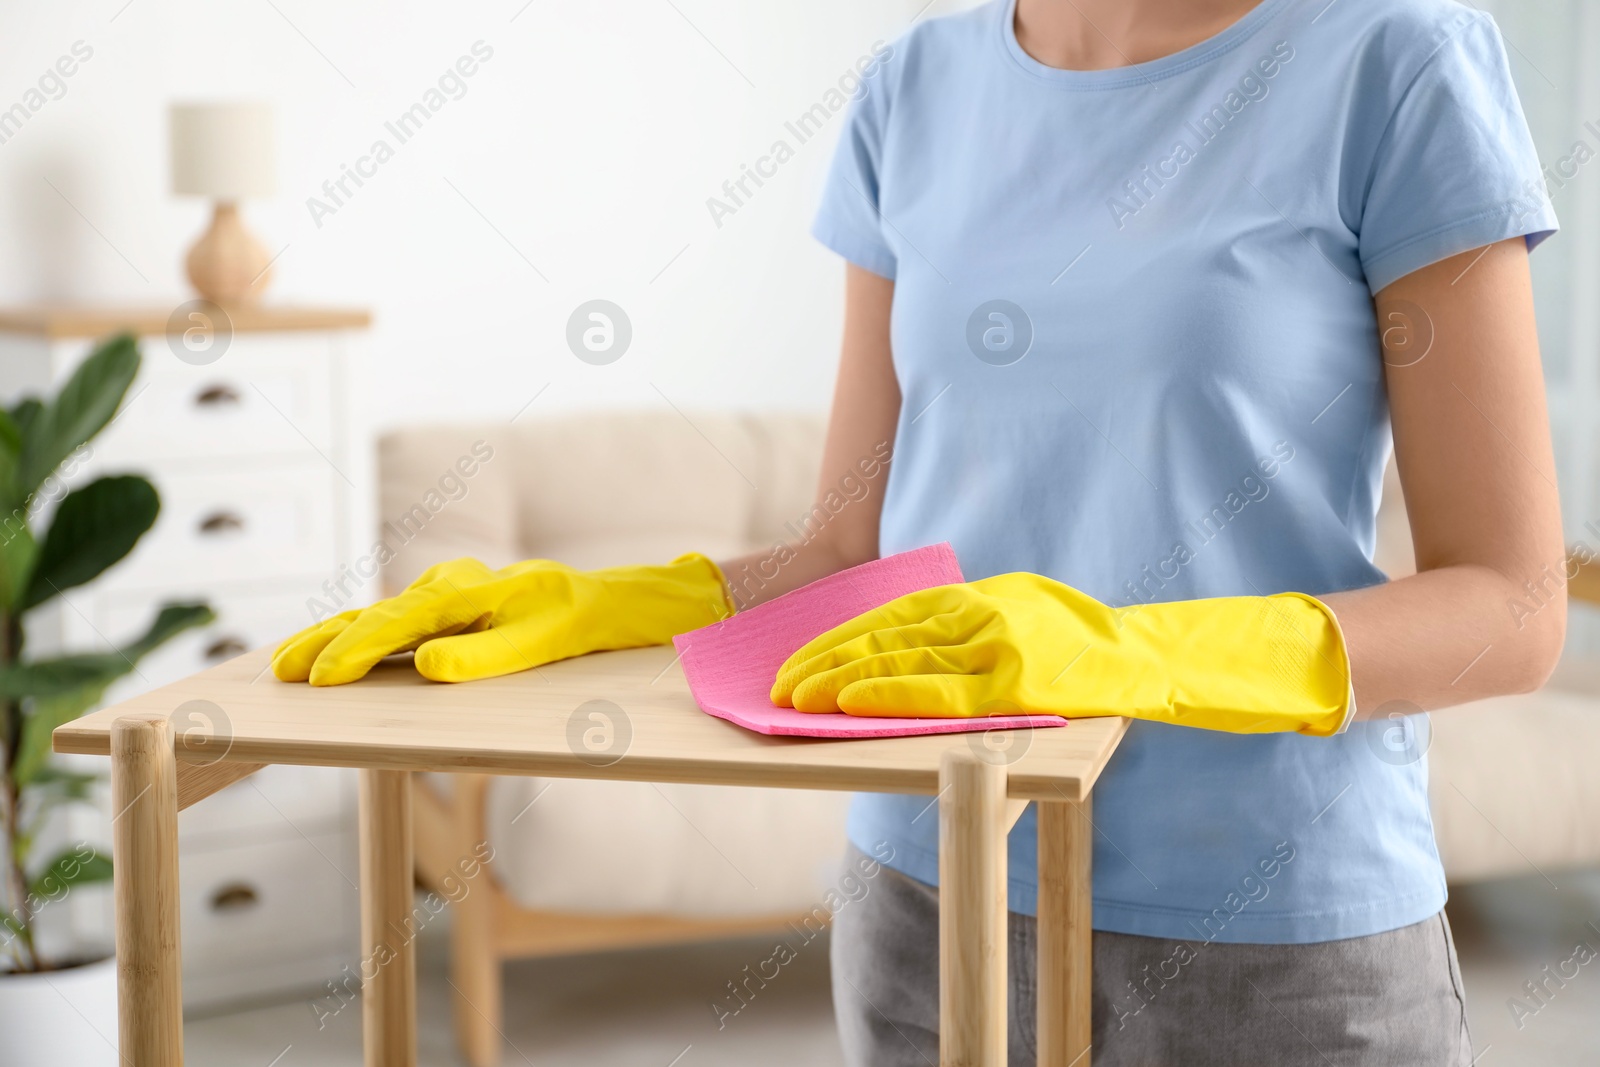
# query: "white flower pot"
x,y
60,1017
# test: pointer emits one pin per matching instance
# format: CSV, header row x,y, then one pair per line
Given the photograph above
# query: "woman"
x,y
1137,290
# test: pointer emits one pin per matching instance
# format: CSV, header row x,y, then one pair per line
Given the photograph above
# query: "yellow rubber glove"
x,y
467,622
1023,642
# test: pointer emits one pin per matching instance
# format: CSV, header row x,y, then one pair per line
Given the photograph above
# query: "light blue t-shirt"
x,y
1134,335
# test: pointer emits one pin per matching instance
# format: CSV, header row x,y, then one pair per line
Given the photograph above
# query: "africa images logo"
x,y
999,333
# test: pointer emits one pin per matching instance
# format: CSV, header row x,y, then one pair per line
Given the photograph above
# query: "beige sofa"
x,y
586,865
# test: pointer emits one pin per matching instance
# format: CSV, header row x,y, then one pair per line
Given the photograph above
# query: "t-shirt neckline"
x,y
1139,73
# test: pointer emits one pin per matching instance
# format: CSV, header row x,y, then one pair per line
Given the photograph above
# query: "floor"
x,y
625,1009
653,1008
1506,934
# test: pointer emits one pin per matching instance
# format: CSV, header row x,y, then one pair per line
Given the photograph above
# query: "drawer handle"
x,y
235,896
225,648
215,396
221,522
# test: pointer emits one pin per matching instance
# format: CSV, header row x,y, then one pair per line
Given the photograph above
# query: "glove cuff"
x,y
1263,664
1327,670
651,605
695,564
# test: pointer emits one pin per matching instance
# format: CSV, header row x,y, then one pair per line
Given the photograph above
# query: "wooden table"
x,y
164,757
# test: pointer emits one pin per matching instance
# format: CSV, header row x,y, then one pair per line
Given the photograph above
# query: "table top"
x,y
617,715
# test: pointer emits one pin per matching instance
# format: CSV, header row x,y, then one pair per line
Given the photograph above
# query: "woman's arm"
x,y
866,408
1472,441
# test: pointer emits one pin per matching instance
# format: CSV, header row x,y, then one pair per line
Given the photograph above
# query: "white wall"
x,y
590,140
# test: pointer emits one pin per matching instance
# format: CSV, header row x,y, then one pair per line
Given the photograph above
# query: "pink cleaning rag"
x,y
731,664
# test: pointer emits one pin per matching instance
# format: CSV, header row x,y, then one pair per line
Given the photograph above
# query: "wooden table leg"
x,y
474,962
388,929
972,911
144,795
1066,939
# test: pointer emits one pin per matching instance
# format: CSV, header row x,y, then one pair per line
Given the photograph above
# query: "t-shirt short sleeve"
x,y
849,219
1456,168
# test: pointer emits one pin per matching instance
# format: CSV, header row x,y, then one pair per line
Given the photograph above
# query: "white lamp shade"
x,y
224,151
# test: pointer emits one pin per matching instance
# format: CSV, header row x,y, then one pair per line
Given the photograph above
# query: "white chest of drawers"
x,y
265,477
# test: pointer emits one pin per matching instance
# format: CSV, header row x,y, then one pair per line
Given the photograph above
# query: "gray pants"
x,y
1391,998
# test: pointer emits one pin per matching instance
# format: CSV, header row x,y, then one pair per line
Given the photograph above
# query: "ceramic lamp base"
x,y
228,265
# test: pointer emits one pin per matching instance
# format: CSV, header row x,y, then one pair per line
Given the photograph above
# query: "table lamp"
x,y
225,151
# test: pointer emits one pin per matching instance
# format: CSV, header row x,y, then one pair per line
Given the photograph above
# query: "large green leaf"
x,y
74,867
51,678
43,717
170,621
17,552
94,527
60,690
24,412
85,404
10,455
13,500
10,437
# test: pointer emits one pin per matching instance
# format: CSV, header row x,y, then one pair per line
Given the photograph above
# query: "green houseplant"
x,y
90,528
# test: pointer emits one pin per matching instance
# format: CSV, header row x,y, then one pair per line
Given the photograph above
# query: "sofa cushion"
x,y
594,489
